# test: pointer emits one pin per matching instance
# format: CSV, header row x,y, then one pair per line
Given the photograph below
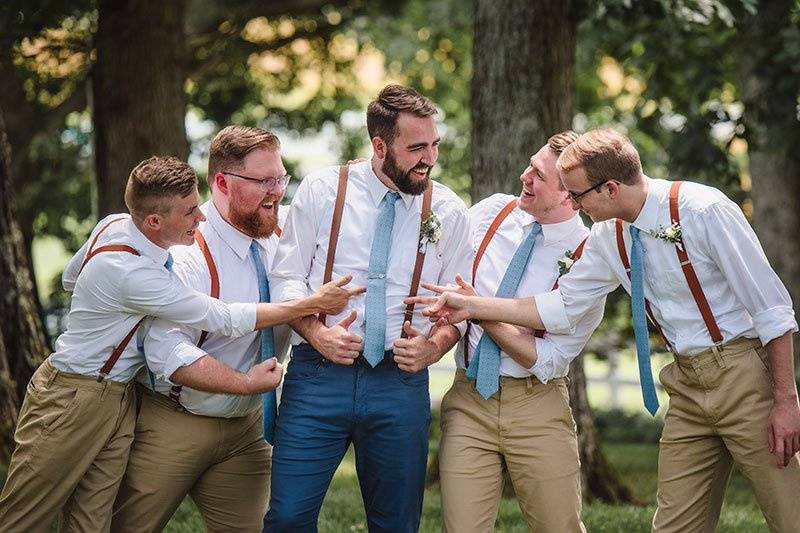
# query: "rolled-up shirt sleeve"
x,y
288,277
168,347
153,291
736,250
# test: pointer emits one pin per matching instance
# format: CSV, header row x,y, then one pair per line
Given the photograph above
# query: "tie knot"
x,y
392,197
168,262
634,232
253,247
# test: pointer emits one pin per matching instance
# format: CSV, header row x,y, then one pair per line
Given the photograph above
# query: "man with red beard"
x,y
361,376
197,433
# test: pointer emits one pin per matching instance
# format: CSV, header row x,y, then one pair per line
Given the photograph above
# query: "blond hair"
x,y
604,155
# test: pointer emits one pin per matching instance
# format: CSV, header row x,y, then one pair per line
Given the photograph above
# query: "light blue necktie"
x,y
139,334
375,308
640,323
270,398
485,364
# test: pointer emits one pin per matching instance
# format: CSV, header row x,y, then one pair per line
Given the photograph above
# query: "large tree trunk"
x,y
22,340
522,90
770,89
139,102
522,86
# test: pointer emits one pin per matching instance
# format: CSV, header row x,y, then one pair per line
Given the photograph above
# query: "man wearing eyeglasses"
x,y
690,261
197,433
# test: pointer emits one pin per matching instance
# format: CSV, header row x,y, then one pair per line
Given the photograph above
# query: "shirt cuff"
x,y
544,368
183,354
552,312
243,319
774,322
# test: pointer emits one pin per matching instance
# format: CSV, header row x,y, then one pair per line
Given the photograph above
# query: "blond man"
x,y
76,422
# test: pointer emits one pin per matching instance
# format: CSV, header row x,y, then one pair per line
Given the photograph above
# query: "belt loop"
x,y
717,355
53,375
528,384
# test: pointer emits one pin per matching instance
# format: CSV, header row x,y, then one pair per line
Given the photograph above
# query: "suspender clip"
x,y
716,350
101,376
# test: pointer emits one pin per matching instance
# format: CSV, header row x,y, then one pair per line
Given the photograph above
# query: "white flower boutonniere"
x,y
566,262
671,234
429,232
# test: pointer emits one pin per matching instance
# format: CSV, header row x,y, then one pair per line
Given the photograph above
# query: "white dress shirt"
x,y
169,346
555,352
299,262
116,289
745,295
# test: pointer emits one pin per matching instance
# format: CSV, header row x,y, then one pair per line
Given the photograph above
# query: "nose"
x,y
200,216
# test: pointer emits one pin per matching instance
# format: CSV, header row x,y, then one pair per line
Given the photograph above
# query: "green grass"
x,y
343,510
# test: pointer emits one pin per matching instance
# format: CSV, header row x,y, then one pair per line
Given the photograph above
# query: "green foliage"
x,y
619,426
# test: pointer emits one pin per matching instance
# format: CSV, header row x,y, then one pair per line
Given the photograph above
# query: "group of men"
x,y
164,383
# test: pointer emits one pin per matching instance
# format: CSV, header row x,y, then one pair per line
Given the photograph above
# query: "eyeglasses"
x,y
576,196
265,183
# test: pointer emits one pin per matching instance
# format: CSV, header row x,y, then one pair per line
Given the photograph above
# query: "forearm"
x,y
444,338
781,360
307,327
518,343
519,311
209,375
274,314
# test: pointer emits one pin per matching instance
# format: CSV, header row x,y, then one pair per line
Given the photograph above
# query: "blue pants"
x,y
383,411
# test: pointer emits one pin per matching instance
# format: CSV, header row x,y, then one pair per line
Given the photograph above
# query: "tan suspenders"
x,y
333,240
686,265
105,370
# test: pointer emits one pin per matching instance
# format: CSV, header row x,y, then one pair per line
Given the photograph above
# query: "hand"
x,y
338,345
452,304
460,287
265,376
783,431
333,296
416,352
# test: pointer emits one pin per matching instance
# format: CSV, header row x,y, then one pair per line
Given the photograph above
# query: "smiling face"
x,y
542,195
252,207
411,155
594,202
182,217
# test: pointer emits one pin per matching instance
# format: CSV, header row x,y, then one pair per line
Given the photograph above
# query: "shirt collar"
x,y
145,246
559,231
238,241
377,189
648,219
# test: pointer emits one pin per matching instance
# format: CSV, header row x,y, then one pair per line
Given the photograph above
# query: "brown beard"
x,y
253,223
402,178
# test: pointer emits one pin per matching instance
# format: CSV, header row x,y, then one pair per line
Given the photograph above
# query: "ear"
x,y
221,182
614,189
152,222
379,147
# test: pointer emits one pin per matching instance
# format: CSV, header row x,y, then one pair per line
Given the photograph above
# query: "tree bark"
x,y
522,86
769,77
137,83
22,340
522,92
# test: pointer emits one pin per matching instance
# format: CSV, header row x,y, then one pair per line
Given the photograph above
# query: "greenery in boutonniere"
x,y
430,232
565,263
671,234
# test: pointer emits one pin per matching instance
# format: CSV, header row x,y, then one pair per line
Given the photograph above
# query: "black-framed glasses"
x,y
266,183
577,196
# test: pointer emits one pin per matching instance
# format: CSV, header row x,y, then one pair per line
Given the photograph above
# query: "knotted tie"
x,y
640,323
485,364
270,398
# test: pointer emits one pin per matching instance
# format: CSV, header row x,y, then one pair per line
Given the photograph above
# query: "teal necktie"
x,y
485,364
270,398
375,305
640,323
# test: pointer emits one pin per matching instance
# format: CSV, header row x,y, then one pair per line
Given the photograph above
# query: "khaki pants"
x,y
223,463
73,439
527,428
718,409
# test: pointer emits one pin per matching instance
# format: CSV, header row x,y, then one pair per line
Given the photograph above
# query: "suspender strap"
x,y
487,238
336,224
89,253
425,213
623,255
112,360
688,270
577,253
212,271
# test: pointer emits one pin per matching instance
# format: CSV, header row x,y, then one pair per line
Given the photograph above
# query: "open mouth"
x,y
268,206
420,172
526,193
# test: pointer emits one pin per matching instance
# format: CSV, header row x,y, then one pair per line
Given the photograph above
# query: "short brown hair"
x,y
232,144
557,143
604,155
382,113
154,182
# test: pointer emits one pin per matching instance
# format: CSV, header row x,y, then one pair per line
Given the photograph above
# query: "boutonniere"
x,y
670,234
565,263
430,231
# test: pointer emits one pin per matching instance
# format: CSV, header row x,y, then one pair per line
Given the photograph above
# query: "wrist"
x,y
785,399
